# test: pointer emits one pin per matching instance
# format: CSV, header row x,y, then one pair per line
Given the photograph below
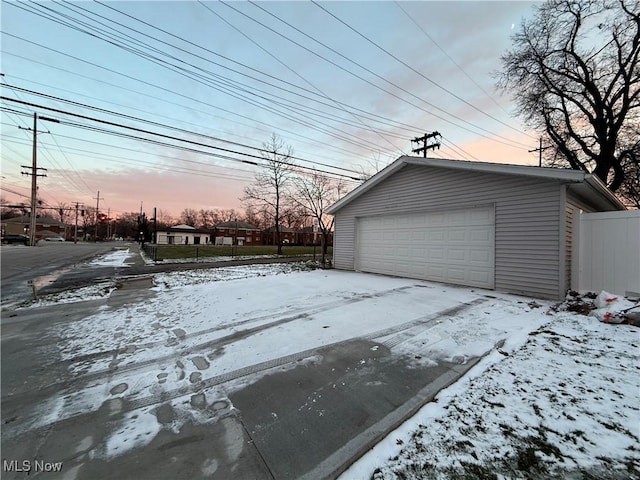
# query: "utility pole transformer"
x,y
423,140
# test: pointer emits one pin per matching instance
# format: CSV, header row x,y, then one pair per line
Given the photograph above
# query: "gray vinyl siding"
x,y
573,204
527,216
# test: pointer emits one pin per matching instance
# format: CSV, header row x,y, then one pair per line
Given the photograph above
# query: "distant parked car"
x,y
54,239
15,238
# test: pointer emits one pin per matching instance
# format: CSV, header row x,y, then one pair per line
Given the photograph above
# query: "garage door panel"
x,y
453,247
403,237
480,256
457,254
456,275
435,254
481,235
456,234
436,235
418,235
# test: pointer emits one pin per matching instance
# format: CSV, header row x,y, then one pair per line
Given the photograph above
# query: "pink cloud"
x,y
123,191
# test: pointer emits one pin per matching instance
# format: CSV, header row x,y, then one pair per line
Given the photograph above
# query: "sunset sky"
x,y
346,84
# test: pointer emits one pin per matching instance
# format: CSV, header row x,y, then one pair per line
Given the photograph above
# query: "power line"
x,y
137,162
436,84
245,66
377,76
173,92
198,77
490,97
170,127
292,70
165,144
183,71
164,100
170,137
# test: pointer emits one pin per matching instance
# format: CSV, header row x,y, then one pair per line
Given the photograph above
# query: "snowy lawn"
x,y
566,404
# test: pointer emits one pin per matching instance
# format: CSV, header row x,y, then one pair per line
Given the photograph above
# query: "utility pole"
x,y
75,231
108,222
539,150
423,140
97,199
34,176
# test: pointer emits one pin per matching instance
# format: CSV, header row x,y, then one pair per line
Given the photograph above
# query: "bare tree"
x,y
314,193
164,219
373,166
8,212
189,216
270,187
253,217
574,71
228,215
630,188
293,215
87,220
65,212
208,218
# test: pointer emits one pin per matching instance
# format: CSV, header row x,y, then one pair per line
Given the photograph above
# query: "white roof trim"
x,y
563,175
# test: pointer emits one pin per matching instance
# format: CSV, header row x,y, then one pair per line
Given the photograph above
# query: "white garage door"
x,y
455,246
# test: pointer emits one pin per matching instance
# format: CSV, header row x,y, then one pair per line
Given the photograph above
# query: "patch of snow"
x,y
92,292
113,259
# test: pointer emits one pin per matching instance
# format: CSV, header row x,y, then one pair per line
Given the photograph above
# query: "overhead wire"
x,y
138,162
171,137
164,136
458,66
141,81
342,68
165,100
433,82
170,127
189,74
377,76
296,73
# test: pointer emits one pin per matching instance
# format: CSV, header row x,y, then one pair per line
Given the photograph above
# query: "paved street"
x,y
21,264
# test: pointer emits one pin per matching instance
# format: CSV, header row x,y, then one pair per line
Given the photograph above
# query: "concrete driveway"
x,y
290,375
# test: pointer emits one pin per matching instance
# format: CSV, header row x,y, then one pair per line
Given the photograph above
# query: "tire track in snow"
x,y
424,322
292,315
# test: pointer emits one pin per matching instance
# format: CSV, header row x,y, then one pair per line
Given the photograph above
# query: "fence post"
x,y
576,253
197,257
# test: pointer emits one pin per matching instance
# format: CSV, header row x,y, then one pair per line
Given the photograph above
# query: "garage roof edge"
x,y
564,175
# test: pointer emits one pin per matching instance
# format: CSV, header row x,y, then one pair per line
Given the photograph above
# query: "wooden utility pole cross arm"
x,y
424,140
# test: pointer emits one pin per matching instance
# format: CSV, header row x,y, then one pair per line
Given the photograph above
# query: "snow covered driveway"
x,y
184,355
215,330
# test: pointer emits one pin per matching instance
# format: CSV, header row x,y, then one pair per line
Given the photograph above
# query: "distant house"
x,y
309,236
182,235
45,226
287,235
237,233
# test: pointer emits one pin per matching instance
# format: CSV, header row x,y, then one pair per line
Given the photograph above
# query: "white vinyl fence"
x,y
606,252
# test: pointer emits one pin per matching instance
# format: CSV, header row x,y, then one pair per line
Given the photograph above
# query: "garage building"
x,y
488,225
